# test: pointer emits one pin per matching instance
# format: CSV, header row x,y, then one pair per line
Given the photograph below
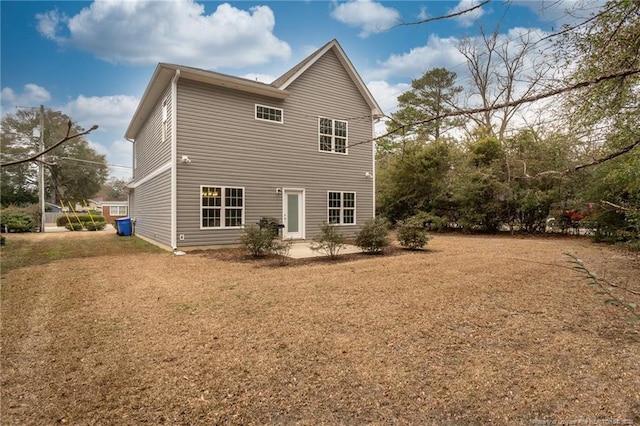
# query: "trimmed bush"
x,y
95,226
330,241
374,235
257,241
412,232
20,219
18,222
74,226
84,218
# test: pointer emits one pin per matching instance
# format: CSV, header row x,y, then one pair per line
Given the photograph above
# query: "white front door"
x,y
293,214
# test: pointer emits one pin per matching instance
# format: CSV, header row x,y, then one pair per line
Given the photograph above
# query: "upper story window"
x,y
332,135
221,207
268,113
165,119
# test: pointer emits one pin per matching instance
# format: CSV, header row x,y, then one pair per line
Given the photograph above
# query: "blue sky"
x,y
93,60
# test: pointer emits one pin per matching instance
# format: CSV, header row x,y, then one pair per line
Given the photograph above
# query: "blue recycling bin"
x,y
124,226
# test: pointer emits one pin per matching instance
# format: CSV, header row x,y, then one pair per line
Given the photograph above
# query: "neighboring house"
x,y
86,205
112,210
213,152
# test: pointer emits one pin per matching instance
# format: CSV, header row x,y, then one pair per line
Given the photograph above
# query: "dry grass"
x,y
473,331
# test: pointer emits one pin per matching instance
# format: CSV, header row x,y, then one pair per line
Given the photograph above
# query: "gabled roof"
x,y
164,73
285,80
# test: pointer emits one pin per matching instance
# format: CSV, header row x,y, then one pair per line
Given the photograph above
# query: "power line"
x,y
96,162
540,96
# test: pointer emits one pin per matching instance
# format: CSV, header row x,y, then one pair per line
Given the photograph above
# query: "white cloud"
x,y
121,154
50,23
424,14
438,52
108,112
469,18
372,17
262,78
112,114
32,95
138,32
387,94
118,153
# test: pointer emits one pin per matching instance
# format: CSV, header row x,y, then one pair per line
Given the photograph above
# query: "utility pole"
x,y
41,170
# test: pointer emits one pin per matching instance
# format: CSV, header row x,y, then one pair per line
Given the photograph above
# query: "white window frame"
x,y
117,212
281,121
333,136
223,207
165,119
341,208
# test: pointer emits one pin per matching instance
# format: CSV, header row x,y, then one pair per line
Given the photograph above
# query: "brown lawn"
x,y
474,330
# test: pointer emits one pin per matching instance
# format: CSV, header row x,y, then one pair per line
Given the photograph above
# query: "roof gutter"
x,y
174,160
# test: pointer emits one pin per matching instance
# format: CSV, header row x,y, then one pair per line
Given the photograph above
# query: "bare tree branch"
x,y
51,148
608,157
571,28
439,18
544,95
591,164
615,206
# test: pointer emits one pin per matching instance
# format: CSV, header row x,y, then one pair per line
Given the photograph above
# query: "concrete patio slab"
x,y
302,249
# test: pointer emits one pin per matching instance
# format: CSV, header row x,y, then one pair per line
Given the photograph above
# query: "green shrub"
x,y
95,226
84,218
18,222
374,235
257,241
330,241
412,232
73,226
20,219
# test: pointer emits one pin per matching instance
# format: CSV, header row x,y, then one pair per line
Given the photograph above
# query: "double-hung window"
x,y
221,207
268,113
341,207
332,135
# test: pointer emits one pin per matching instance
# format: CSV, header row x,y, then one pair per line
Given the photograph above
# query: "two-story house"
x,y
213,152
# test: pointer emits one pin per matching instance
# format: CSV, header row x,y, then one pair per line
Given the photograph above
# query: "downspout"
x,y
373,162
133,181
174,161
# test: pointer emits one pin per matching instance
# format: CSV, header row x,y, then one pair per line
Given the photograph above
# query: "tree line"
x,y
462,156
74,171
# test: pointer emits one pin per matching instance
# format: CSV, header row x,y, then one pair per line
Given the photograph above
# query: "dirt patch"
x,y
475,330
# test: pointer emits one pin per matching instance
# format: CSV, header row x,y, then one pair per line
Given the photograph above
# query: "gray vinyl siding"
x,y
217,129
151,151
151,208
150,203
